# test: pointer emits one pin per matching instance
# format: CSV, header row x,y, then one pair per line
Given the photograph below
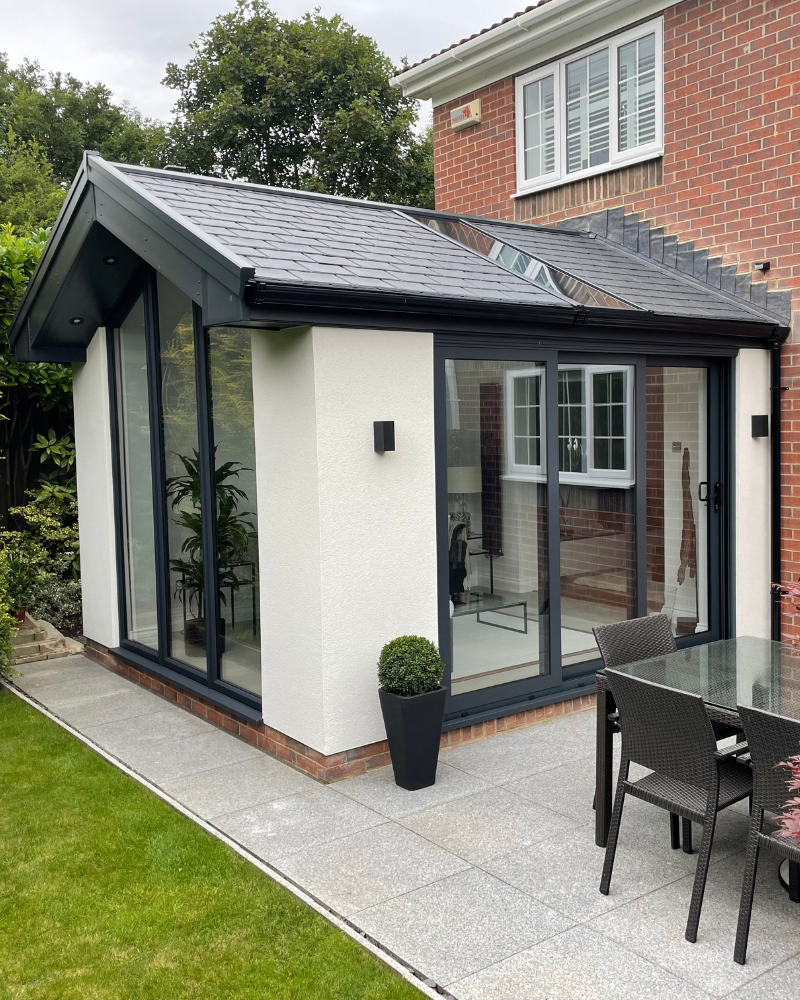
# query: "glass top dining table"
x,y
743,671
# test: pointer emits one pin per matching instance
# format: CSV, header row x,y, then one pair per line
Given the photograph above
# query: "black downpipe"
x,y
775,506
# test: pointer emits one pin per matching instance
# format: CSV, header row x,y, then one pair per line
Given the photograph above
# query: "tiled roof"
x,y
300,239
477,34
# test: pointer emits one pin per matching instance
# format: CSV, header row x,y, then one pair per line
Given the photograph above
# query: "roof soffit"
x,y
538,36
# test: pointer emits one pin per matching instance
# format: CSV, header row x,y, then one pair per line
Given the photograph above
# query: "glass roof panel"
x,y
552,278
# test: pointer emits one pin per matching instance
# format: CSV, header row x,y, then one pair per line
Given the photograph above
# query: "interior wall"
x,y
752,489
96,494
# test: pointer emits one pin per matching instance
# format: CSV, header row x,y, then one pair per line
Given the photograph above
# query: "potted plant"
x,y
234,534
412,701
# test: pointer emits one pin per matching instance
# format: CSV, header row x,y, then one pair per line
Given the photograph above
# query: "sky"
x,y
126,44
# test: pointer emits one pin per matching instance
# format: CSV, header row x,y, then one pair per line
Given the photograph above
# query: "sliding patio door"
x,y
574,491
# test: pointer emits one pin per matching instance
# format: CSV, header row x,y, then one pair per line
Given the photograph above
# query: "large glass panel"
x,y
637,92
187,632
677,519
136,485
497,522
598,545
231,375
539,131
587,112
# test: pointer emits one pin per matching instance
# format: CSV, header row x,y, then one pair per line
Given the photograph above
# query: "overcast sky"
x,y
127,43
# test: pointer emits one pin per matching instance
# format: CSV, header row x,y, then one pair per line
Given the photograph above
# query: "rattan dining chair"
x,y
641,639
669,732
772,739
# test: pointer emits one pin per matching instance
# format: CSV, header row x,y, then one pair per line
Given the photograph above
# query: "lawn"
x,y
105,891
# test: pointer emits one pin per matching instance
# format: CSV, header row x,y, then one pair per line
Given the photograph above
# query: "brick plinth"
x,y
331,767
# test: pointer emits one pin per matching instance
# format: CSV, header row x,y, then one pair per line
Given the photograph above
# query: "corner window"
x,y
592,111
594,425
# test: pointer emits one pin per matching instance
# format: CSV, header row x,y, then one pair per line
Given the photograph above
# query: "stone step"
x,y
26,635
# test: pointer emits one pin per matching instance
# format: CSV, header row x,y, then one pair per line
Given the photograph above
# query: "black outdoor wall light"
x,y
760,425
383,431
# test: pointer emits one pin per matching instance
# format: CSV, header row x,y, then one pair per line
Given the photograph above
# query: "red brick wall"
x,y
729,179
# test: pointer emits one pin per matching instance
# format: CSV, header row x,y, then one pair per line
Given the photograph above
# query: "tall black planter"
x,y
413,729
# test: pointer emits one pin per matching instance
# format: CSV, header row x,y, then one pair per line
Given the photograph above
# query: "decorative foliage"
x,y
410,665
234,531
789,819
789,594
58,601
8,625
30,196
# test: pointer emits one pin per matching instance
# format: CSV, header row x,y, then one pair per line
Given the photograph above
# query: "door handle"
x,y
700,497
715,497
716,494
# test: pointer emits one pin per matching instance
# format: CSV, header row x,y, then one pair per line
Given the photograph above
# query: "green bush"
x,y
58,601
8,625
410,665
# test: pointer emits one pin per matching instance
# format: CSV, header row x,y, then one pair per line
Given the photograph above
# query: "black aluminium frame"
x,y
208,682
577,679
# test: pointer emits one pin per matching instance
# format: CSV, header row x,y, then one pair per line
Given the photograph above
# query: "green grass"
x,y
105,891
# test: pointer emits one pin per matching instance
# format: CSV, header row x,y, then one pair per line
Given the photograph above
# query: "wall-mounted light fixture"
x,y
76,320
760,425
762,266
383,431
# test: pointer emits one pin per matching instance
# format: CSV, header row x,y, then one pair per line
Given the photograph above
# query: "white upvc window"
x,y
595,425
592,111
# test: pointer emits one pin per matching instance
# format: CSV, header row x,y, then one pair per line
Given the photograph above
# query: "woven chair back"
x,y
666,730
772,739
636,639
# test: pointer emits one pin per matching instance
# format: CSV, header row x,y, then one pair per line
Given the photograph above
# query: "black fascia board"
x,y
189,240
53,252
299,305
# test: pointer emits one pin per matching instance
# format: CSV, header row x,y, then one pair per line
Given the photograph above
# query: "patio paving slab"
x,y
160,760
508,756
461,924
780,983
237,786
579,964
294,822
567,790
124,734
478,827
368,867
654,925
378,791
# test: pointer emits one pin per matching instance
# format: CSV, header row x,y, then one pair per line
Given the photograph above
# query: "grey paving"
x,y
461,924
365,868
488,881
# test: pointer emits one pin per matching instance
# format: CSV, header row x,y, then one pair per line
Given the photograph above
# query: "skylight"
x,y
551,278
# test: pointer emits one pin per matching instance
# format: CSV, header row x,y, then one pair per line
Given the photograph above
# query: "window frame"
x,y
593,476
558,69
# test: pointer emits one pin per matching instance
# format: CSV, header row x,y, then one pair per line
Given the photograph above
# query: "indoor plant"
x,y
412,701
234,534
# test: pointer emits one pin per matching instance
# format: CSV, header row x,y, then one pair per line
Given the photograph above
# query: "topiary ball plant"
x,y
410,665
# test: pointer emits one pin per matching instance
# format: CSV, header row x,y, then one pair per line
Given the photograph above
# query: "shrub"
x,y
410,665
8,625
58,601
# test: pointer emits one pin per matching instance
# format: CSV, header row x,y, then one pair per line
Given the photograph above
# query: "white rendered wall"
x,y
347,536
95,494
752,486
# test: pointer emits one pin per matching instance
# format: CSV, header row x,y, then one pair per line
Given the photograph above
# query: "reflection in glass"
x,y
598,564
187,632
677,521
539,134
231,376
137,480
497,522
587,112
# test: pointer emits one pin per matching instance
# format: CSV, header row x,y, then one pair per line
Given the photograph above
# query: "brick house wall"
x,y
729,178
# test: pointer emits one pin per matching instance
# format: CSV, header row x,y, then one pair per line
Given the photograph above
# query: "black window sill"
x,y
209,694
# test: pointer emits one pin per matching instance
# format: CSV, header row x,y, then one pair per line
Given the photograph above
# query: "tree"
x,y
303,104
64,116
30,197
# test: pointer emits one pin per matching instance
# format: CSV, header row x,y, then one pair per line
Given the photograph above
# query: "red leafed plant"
x,y
789,819
789,594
